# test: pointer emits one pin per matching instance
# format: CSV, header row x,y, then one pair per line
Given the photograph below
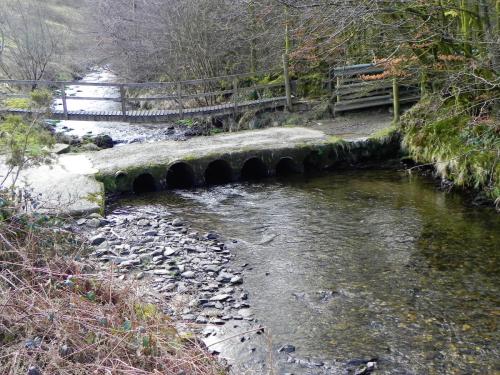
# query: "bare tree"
x,y
30,43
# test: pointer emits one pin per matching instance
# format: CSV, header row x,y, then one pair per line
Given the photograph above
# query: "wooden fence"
x,y
351,89
349,86
183,98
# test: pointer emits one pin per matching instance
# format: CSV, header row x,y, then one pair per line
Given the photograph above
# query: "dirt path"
x,y
354,125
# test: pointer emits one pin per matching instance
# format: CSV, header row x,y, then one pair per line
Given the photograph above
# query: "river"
x,y
120,132
361,264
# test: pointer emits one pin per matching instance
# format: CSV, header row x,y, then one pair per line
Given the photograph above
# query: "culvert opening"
x,y
180,176
218,172
287,167
254,169
145,183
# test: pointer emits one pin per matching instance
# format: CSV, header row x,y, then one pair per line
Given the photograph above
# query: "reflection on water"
x,y
363,264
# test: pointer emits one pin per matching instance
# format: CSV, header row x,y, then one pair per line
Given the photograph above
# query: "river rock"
x,y
93,223
211,268
286,349
236,280
103,141
33,370
201,320
143,223
161,272
60,148
81,221
211,236
188,317
188,275
97,240
220,297
178,222
224,277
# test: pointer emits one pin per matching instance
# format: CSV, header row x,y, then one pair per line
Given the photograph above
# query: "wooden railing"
x,y
348,88
351,89
230,90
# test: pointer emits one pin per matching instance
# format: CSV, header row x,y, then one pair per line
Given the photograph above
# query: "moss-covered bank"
x,y
464,147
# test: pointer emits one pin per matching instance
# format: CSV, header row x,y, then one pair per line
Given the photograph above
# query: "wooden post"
x,y
179,100
64,102
235,95
288,87
123,99
395,99
339,83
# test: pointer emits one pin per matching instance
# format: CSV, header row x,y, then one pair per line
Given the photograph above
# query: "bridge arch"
x,y
144,183
218,172
254,169
287,167
180,175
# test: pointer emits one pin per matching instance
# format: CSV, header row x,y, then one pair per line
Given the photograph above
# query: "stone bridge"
x,y
76,184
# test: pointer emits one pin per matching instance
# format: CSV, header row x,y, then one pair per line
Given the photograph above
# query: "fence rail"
x,y
234,89
349,87
352,89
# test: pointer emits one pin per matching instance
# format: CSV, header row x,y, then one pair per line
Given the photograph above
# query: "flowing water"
x,y
120,132
361,264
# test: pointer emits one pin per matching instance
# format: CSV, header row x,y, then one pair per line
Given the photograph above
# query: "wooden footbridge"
x,y
155,101
218,96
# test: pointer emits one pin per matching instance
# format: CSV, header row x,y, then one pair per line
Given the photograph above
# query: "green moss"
x,y
99,199
384,134
108,181
462,151
215,131
186,122
17,103
333,139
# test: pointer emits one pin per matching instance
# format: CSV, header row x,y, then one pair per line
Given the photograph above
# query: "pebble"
x,y
178,222
188,274
220,297
201,320
97,240
93,223
286,349
33,370
236,280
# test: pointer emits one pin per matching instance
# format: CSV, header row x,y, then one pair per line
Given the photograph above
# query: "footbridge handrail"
x,y
234,89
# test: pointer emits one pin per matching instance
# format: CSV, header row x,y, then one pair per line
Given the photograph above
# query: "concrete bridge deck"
x,y
76,183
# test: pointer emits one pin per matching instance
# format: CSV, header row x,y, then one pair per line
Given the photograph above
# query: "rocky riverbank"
x,y
199,278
